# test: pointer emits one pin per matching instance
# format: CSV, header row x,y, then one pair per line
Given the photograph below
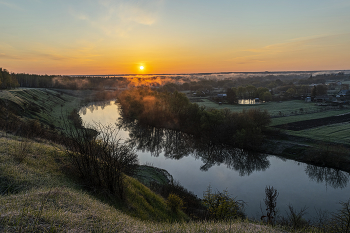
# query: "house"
x,y
344,92
222,95
308,99
321,98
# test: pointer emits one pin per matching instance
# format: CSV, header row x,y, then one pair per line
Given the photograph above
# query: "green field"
x,y
339,133
308,116
289,111
274,108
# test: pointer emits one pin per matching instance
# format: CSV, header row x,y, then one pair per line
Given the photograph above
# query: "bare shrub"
x,y
340,221
100,158
270,202
22,149
295,219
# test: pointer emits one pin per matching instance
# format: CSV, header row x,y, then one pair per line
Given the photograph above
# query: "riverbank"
x,y
318,153
37,195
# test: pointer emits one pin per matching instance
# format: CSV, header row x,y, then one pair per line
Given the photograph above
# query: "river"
x,y
244,175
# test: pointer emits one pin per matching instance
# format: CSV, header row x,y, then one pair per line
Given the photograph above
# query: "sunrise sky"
x,y
173,36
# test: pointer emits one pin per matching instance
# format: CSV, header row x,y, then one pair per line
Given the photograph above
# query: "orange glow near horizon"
x,y
118,37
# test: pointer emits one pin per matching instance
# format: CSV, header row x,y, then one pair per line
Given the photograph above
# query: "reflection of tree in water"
x,y
176,145
237,159
94,106
333,177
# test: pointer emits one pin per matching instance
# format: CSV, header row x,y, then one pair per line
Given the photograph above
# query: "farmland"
x,y
296,111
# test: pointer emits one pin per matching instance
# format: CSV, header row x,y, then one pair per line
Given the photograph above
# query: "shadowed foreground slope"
x,y
37,195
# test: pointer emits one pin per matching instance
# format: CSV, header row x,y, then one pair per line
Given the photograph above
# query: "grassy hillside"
x,y
37,194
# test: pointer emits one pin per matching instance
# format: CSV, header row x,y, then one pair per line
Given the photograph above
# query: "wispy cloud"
x,y
34,56
299,44
11,5
4,56
119,17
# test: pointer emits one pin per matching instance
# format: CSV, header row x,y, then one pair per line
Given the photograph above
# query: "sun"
x,y
142,67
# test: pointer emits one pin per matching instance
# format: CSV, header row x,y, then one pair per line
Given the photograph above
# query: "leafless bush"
x,y
100,158
270,202
340,221
22,149
294,219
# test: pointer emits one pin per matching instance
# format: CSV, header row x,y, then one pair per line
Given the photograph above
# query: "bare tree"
x,y
270,202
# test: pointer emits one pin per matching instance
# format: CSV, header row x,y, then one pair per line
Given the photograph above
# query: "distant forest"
x,y
291,83
12,80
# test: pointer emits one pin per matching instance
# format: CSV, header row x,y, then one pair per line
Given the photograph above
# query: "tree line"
x,y
7,80
174,111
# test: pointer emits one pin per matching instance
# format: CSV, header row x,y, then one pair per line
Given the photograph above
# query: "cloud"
x,y
119,17
11,5
300,43
34,55
4,56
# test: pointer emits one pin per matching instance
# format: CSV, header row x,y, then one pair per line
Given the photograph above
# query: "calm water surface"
x,y
244,175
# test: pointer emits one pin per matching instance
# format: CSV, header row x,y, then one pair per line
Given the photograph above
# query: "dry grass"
x,y
36,196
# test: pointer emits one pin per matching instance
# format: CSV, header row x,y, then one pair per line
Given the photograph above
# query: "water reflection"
x,y
332,177
299,184
94,106
248,101
176,145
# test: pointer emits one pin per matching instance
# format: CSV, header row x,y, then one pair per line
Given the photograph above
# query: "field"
x,y
315,122
337,133
274,108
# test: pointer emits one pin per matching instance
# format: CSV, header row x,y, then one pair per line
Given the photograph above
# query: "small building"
x,y
222,95
321,98
344,92
308,99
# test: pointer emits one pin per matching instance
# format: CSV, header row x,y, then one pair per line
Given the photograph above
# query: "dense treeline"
x,y
7,80
175,111
12,80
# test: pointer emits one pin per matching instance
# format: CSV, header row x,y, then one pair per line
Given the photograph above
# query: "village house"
x,y
344,93
322,98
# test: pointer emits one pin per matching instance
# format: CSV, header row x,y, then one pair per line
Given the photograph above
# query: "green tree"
x,y
174,202
314,91
241,91
266,96
251,90
290,92
0,76
321,89
231,95
260,92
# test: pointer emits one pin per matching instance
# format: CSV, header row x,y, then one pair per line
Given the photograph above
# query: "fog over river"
x,y
245,175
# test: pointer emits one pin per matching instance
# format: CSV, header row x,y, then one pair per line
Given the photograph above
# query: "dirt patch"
x,y
308,124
